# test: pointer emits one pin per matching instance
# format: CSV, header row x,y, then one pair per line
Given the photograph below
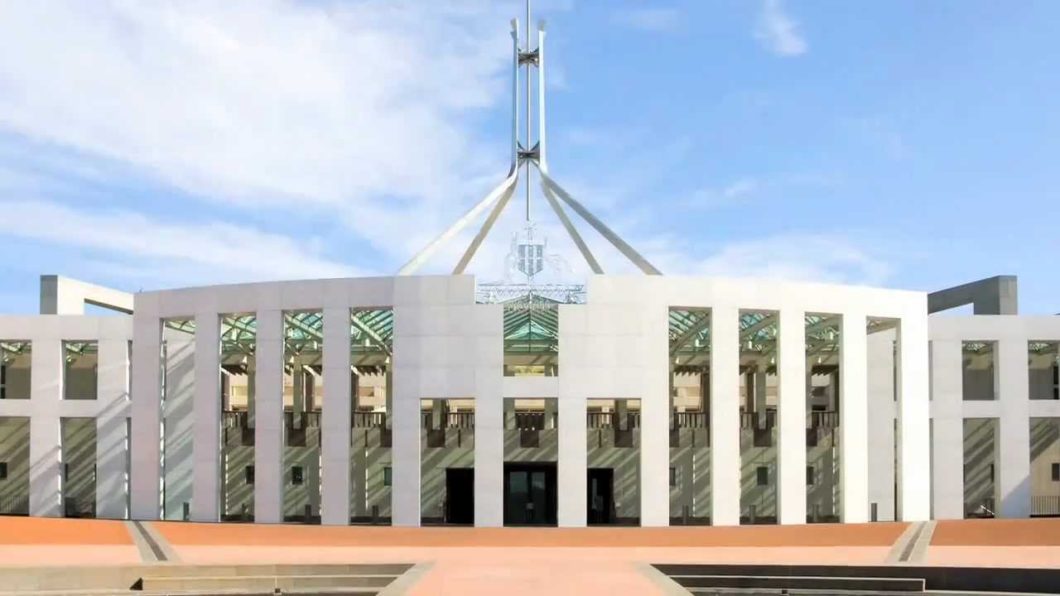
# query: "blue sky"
x,y
905,143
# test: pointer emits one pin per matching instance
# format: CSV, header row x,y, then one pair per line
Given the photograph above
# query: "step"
x,y
875,584
276,570
263,583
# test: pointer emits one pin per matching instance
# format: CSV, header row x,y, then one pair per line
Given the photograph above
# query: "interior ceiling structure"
x,y
531,324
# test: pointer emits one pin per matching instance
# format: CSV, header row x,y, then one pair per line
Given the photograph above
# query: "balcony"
x,y
369,419
826,419
237,423
758,420
691,420
463,420
295,427
610,420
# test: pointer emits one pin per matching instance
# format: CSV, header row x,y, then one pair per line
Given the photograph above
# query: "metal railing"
x,y
1045,505
535,420
824,419
691,420
308,420
761,420
610,420
369,419
450,420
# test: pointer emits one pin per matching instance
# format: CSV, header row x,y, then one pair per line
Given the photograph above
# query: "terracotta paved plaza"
x,y
519,561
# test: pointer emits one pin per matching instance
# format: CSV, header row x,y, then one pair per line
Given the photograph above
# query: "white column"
x,y
882,404
335,419
145,483
405,455
489,454
914,440
725,415
268,431
947,457
178,413
853,419
112,454
1014,482
655,421
572,467
791,447
206,442
45,444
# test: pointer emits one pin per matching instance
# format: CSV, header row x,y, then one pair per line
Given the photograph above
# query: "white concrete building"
x,y
645,399
422,399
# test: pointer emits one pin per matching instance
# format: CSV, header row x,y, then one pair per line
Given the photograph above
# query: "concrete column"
x,y
914,439
268,432
178,409
206,496
791,447
947,455
489,456
112,453
725,415
45,444
881,379
298,379
145,483
405,456
550,414
335,421
655,416
853,419
621,414
1014,481
573,461
760,387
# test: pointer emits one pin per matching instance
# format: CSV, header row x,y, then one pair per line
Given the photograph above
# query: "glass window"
x,y
1056,472
248,474
388,476
296,475
763,476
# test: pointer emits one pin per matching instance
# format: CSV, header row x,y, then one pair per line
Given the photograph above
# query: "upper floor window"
x,y
80,369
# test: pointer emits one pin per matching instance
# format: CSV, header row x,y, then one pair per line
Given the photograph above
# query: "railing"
x,y
308,420
234,419
827,419
610,420
1045,505
451,420
460,420
691,420
534,420
760,420
369,419
14,506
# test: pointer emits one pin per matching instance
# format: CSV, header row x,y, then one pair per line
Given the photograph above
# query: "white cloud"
x,y
260,101
778,32
648,19
148,248
729,194
797,257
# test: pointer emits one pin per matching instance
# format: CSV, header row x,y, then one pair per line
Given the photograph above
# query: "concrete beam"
x,y
991,296
65,296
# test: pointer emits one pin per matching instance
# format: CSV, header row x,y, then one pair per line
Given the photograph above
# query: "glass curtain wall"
x,y
303,398
238,342
371,349
823,400
758,416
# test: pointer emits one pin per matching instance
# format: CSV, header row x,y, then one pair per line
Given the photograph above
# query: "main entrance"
x,y
530,494
601,496
460,496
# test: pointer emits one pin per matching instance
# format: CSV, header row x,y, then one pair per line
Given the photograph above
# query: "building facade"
x,y
416,400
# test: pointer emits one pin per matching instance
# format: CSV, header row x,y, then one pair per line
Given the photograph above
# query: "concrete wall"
x,y
79,466
1045,453
17,375
459,452
1012,410
690,497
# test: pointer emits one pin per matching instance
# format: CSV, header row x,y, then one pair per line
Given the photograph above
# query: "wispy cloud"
x,y
778,32
732,193
648,19
137,247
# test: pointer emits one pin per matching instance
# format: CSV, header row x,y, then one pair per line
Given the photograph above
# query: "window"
x,y
809,475
673,476
388,476
3,470
763,476
296,475
248,474
1056,472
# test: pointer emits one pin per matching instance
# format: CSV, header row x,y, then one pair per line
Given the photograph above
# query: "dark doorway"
x,y
530,494
601,496
460,496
